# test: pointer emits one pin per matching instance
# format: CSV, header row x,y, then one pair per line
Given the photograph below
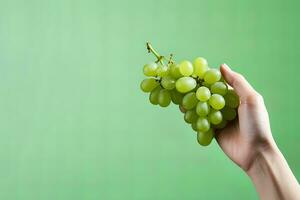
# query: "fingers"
x,y
238,82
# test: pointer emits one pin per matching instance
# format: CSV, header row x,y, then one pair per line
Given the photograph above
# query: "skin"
x,y
248,142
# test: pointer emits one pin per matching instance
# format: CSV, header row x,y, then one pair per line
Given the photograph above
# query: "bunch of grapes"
x,y
200,91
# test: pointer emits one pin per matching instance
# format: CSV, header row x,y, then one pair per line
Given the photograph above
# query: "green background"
x,y
75,125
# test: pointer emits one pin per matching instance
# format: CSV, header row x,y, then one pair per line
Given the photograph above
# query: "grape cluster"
x,y
200,91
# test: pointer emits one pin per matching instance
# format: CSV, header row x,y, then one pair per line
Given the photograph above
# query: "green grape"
x,y
228,113
147,85
200,67
176,97
232,99
189,101
212,76
203,93
205,138
222,79
194,126
206,84
190,116
181,108
219,88
164,98
153,97
185,84
174,71
196,88
162,70
216,101
203,124
215,117
186,68
150,69
168,82
221,125
202,109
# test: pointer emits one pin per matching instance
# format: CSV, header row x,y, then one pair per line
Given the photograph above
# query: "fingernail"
x,y
226,66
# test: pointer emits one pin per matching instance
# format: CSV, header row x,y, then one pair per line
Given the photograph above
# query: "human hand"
x,y
244,139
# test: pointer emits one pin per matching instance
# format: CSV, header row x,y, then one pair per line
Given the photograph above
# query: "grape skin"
x,y
212,76
176,97
206,84
185,84
174,71
186,68
153,97
190,116
150,69
168,82
217,101
221,125
189,101
229,113
205,138
182,109
215,117
219,88
203,124
201,93
164,98
232,99
200,67
202,109
162,70
147,85
194,126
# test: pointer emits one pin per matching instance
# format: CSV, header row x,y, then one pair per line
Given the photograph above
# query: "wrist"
x,y
265,156
272,176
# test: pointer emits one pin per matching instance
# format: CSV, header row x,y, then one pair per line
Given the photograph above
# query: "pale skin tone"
x,y
248,142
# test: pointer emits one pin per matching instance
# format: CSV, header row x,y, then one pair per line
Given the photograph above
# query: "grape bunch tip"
x,y
200,91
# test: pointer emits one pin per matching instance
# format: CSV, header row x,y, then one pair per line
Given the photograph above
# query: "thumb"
x,y
238,82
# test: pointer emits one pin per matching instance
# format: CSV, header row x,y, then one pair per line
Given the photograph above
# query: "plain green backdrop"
x,y
75,125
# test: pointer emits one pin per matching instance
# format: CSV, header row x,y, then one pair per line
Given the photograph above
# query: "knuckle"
x,y
259,96
254,98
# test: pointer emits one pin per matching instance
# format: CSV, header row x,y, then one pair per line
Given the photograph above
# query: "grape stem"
x,y
170,59
157,55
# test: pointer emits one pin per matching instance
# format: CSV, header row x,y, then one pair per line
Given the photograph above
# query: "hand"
x,y
249,143
245,138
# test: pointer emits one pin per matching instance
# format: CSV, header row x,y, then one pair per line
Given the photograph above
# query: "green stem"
x,y
170,59
152,50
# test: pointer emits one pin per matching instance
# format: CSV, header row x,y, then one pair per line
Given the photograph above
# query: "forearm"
x,y
272,176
